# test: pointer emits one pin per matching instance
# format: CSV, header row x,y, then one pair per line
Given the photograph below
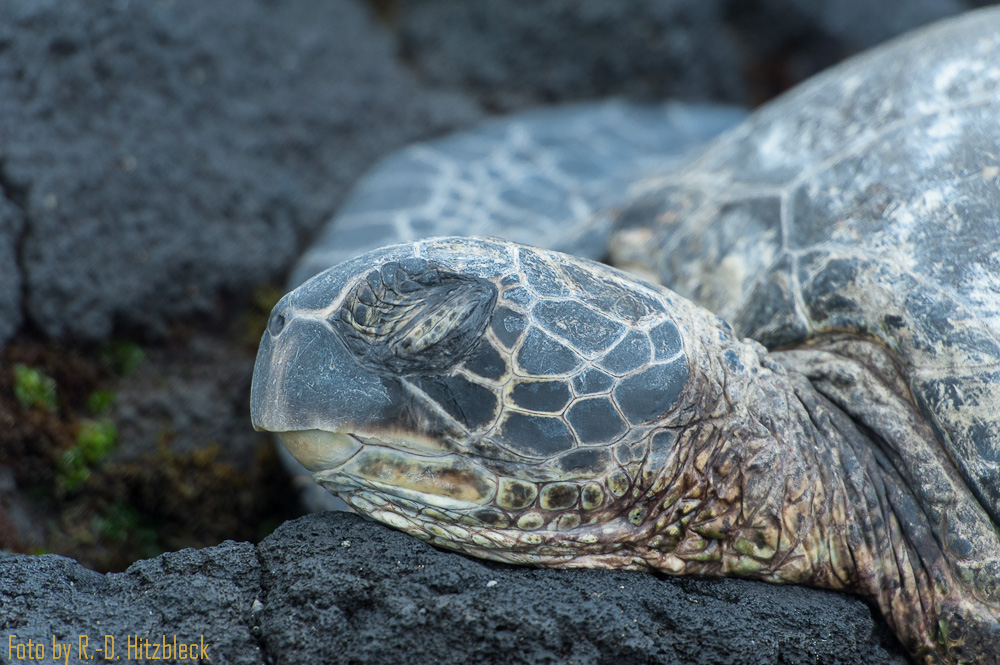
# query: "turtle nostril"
x,y
276,323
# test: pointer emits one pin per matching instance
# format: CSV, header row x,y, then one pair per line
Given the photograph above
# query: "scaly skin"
x,y
786,488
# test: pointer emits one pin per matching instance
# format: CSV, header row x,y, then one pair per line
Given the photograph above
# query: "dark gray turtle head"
x,y
486,396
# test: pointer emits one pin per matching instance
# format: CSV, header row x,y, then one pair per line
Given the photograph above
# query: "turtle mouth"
x,y
411,468
449,499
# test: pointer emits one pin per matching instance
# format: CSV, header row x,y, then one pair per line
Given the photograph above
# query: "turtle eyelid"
x,y
425,322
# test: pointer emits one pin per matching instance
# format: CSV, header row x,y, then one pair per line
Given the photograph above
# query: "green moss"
x,y
96,439
122,523
118,523
124,357
100,402
34,389
73,470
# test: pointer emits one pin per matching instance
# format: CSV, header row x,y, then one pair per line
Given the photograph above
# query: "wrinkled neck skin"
x,y
776,481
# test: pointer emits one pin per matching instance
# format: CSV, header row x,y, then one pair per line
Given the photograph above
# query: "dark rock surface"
x,y
334,588
193,594
165,153
11,228
512,52
855,24
516,52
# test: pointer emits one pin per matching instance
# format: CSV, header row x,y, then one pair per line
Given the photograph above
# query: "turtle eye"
x,y
414,316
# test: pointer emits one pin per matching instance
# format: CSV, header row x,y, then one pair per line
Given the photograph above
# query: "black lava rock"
x,y
512,53
163,153
335,588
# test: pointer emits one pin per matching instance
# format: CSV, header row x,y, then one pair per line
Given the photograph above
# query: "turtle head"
x,y
506,401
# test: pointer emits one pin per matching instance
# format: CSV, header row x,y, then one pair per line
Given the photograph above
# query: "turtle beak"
x,y
305,379
339,421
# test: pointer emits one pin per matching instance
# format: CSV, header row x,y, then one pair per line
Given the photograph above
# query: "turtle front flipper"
x,y
931,555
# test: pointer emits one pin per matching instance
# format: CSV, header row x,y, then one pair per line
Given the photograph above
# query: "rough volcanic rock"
x,y
164,153
856,24
510,53
199,596
335,588
11,228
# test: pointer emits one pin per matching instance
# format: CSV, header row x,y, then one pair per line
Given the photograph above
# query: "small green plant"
x,y
32,388
96,439
73,469
100,402
117,523
121,522
124,357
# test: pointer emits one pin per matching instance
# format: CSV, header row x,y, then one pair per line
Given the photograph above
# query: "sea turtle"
x,y
820,405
